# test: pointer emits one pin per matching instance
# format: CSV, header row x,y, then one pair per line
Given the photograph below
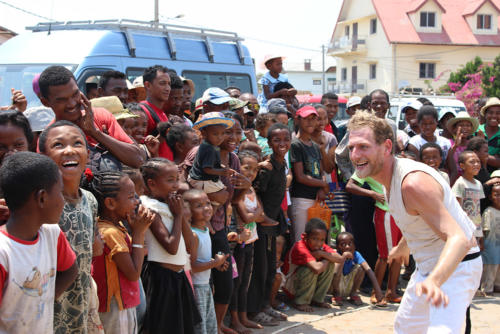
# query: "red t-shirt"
x,y
164,151
328,128
300,254
151,122
107,123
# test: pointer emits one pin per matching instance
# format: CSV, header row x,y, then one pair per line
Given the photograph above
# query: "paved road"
x,y
370,320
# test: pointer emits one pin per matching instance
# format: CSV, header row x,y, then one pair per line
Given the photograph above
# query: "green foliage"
x,y
491,78
471,67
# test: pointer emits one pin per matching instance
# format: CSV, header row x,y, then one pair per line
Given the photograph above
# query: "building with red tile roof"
x,y
391,44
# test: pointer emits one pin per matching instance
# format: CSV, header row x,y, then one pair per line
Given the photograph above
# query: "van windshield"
x,y
20,76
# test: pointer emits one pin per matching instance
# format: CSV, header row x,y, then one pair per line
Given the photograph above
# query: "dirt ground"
x,y
371,320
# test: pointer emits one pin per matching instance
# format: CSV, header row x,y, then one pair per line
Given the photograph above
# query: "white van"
x,y
397,103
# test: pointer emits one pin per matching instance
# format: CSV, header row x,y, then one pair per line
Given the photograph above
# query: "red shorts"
x,y
386,231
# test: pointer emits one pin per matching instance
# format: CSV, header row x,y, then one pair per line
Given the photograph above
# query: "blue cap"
x,y
215,95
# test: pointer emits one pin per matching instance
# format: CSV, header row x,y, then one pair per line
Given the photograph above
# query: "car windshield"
x,y
20,76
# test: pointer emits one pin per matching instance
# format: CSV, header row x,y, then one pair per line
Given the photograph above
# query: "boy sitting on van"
x,y
275,66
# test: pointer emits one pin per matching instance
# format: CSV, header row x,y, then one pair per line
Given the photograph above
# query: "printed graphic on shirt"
x,y
37,284
471,201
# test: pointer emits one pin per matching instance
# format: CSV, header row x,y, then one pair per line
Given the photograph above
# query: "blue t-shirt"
x,y
268,80
349,264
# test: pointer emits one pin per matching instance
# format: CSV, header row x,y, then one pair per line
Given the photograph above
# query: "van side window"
x,y
90,76
204,80
134,72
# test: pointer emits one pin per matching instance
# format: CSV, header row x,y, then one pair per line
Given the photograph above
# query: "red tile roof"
x,y
393,15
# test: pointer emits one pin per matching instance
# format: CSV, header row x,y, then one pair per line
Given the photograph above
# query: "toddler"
x,y
431,154
201,258
274,64
347,277
207,169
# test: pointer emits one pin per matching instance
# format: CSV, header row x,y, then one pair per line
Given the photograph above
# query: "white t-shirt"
x,y
471,193
443,142
28,279
156,252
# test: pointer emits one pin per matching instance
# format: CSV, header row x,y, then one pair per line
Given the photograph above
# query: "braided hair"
x,y
151,168
103,185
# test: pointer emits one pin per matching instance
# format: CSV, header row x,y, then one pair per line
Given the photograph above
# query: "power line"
x,y
25,11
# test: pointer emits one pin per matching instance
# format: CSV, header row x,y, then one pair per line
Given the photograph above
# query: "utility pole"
x,y
157,15
323,69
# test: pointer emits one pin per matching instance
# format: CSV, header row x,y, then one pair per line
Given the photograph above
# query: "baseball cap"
x,y
444,111
306,111
236,104
114,106
138,82
353,101
411,104
39,117
276,106
215,95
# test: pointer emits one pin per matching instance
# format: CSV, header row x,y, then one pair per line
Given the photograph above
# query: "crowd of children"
x,y
216,215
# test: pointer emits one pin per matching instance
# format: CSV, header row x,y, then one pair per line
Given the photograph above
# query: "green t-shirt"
x,y
377,187
493,141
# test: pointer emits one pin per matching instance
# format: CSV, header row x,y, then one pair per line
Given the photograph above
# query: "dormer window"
x,y
427,19
483,22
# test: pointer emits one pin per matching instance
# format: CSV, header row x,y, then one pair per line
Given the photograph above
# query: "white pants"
x,y
299,215
417,316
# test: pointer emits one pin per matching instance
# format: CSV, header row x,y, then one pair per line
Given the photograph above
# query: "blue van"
x,y
89,48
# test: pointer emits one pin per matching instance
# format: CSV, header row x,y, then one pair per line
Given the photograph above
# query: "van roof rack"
x,y
126,25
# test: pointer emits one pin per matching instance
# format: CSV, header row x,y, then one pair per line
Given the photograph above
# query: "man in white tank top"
x,y
435,230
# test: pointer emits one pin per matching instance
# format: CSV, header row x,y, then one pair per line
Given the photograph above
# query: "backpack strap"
x,y
153,114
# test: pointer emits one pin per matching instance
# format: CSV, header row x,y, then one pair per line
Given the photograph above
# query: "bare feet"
x,y
321,304
251,324
227,330
240,328
304,307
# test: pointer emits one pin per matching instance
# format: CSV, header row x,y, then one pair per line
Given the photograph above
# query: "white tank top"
x,y
425,245
156,252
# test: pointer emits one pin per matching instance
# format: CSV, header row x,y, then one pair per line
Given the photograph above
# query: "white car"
x,y
397,103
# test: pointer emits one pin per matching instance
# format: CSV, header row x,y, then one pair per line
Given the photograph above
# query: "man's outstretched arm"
x,y
423,196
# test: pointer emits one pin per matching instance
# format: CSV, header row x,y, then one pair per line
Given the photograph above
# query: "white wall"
x,y
303,81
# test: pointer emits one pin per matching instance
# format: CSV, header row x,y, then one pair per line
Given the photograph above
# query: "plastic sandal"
x,y
337,301
282,307
265,320
275,314
356,300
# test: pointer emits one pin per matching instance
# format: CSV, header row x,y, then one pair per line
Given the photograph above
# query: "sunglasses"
x,y
253,106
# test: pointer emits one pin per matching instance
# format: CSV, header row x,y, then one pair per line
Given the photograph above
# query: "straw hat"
x,y
114,106
213,118
492,101
462,116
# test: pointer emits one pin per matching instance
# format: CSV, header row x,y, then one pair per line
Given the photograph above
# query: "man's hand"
x,y
318,254
399,254
19,101
152,144
435,295
87,120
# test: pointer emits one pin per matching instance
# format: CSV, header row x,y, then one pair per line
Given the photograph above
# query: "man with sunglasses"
x,y
253,105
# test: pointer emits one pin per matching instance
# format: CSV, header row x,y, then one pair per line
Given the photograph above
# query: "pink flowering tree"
x,y
475,80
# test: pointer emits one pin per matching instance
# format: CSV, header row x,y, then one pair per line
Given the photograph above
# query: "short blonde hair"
x,y
380,127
